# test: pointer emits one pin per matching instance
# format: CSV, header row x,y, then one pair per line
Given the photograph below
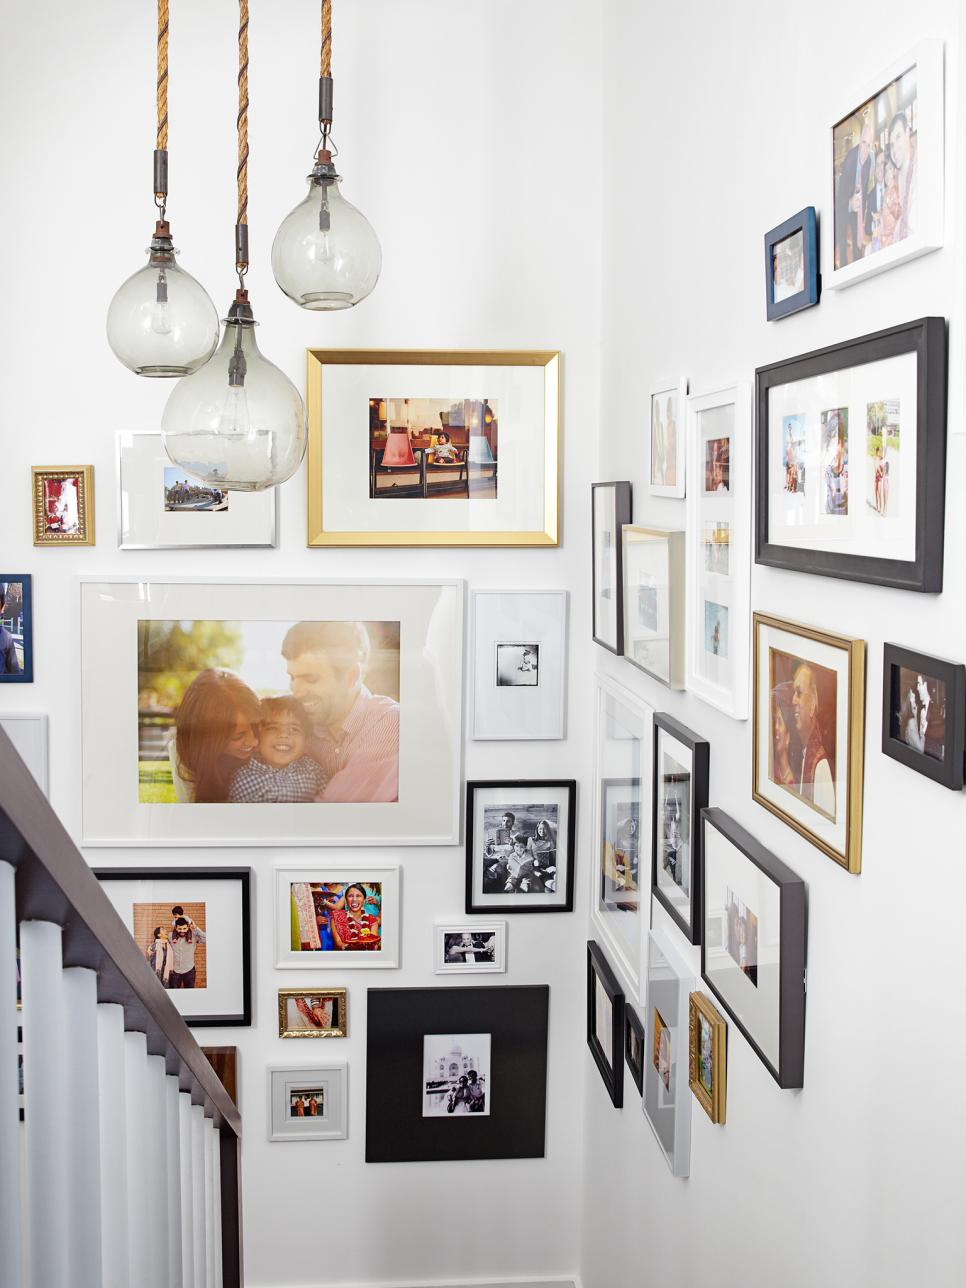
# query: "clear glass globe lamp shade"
x,y
326,254
239,422
161,321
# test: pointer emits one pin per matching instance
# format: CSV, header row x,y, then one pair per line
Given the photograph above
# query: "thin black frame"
x,y
244,875
599,968
951,770
632,1022
700,750
491,906
26,676
516,1018
926,337
622,515
792,940
806,223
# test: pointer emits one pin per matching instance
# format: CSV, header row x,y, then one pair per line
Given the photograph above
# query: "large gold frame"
x,y
336,1031
715,1104
851,859
548,359
85,503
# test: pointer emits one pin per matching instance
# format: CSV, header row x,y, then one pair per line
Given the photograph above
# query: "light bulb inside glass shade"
x,y
162,321
326,254
239,422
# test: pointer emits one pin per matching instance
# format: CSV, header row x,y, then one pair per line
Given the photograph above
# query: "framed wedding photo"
x,y
667,440
428,448
886,168
308,1103
519,667
708,1057
851,447
924,714
719,549
605,1022
610,505
193,926
312,1013
469,948
679,794
634,1046
270,713
654,602
160,507
809,734
792,279
63,499
16,628
337,918
520,845
667,1100
753,944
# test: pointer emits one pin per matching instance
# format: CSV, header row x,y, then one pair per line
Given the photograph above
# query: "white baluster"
x,y
112,1121
216,1225
210,1200
46,1097
82,1150
156,1165
187,1189
139,1215
9,1088
173,1151
198,1193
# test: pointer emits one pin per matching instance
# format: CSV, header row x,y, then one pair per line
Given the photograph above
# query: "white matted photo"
x,y
160,507
519,674
337,918
667,438
456,1074
29,736
308,1103
463,948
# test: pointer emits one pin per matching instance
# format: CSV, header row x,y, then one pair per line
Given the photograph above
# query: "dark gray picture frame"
x,y
622,515
700,750
951,770
634,1024
612,1073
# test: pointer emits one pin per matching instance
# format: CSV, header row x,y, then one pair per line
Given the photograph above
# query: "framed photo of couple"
x,y
924,714
273,712
308,1103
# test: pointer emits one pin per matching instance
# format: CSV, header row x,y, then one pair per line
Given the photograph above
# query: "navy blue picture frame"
x,y
806,223
26,676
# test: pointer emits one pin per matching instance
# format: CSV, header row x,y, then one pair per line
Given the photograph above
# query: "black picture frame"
x,y
243,1018
790,1070
622,515
926,337
26,675
634,1025
950,771
806,223
700,750
611,1072
515,1017
518,903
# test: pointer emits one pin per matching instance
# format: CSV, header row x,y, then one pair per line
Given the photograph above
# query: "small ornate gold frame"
x,y
85,505
338,1029
549,360
713,1105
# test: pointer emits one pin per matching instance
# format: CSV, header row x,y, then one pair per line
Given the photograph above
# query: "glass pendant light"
x,y
162,322
239,422
325,254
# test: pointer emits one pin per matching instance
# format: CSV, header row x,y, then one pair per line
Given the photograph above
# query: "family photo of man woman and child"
x,y
520,849
173,939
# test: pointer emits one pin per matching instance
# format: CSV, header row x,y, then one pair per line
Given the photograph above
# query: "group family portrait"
x,y
433,447
520,848
173,939
182,493
267,712
456,1074
336,917
803,749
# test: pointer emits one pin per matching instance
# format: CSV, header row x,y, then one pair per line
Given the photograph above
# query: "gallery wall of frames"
x,y
757,699
303,905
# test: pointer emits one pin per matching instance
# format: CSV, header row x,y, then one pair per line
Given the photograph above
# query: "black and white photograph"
x,y
517,664
456,1074
924,714
519,846
518,675
680,792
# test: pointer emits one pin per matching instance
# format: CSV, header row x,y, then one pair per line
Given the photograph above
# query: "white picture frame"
x,y
925,59
488,932
654,602
667,454
286,1081
250,519
533,624
386,957
719,548
124,809
667,1093
28,733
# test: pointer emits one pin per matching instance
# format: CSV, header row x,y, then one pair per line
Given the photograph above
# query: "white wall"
x,y
450,118
715,129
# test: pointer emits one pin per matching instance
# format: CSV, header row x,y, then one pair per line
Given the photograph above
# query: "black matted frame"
x,y
26,676
518,903
244,875
951,770
633,1024
516,1019
598,968
700,750
791,965
925,337
622,515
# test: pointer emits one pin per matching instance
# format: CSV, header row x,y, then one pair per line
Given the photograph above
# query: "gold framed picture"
x,y
413,447
809,733
63,505
313,1013
707,1056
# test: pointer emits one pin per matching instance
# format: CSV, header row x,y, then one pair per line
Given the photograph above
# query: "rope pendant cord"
x,y
325,62
241,223
161,139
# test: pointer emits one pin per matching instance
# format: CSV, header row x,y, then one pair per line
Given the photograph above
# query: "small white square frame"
x,y
386,958
497,929
670,982
664,389
519,617
331,1124
28,733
